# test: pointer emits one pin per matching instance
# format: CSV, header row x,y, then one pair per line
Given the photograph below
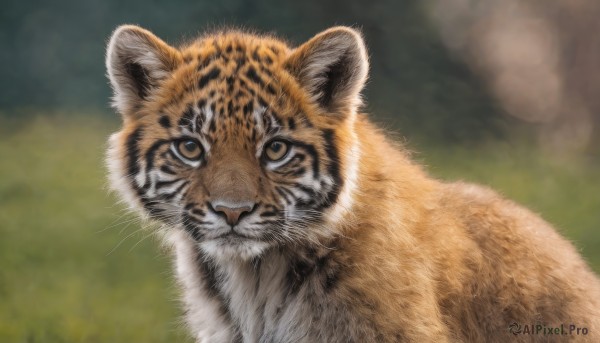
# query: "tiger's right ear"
x,y
136,62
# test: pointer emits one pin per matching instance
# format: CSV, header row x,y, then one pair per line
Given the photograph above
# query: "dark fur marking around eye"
x,y
299,172
187,117
276,117
152,151
211,75
307,123
268,124
312,152
165,122
291,123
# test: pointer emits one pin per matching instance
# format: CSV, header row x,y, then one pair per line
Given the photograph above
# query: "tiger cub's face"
x,y
237,139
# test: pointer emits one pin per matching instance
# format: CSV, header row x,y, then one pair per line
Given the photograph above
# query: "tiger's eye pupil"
x,y
276,150
189,149
190,146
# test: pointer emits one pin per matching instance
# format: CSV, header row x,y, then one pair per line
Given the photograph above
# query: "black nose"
x,y
233,214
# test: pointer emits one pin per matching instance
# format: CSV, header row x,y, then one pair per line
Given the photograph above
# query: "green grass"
x,y
63,275
70,272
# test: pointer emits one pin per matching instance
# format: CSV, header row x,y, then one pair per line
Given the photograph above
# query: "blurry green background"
x,y
76,267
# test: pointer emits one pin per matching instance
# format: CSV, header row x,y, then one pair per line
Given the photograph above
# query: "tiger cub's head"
x,y
237,139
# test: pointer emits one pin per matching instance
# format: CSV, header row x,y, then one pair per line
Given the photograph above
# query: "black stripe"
x,y
167,170
333,168
133,154
253,76
165,122
169,197
198,212
152,151
162,184
298,172
230,108
283,194
190,228
187,117
291,123
247,109
211,75
209,272
310,150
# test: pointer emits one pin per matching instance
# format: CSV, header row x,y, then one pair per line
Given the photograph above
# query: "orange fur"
x,y
416,259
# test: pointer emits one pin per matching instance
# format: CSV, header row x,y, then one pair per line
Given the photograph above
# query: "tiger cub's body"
x,y
293,219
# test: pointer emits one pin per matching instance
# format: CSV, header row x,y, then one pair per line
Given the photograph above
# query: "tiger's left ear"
x,y
332,67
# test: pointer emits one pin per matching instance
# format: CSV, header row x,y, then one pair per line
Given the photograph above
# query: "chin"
x,y
231,248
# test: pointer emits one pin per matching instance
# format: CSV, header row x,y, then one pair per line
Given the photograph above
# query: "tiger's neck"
x,y
260,297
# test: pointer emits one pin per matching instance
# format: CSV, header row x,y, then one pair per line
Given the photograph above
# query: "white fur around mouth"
x,y
234,247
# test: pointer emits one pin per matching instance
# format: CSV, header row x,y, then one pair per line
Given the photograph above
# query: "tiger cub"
x,y
292,218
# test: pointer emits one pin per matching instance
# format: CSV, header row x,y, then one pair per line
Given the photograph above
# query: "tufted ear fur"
x,y
333,68
136,62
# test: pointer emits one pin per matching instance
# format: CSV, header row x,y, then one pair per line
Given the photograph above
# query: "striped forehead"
x,y
235,64
231,88
211,118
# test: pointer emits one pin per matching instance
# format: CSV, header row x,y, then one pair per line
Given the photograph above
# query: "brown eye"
x,y
276,150
189,149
